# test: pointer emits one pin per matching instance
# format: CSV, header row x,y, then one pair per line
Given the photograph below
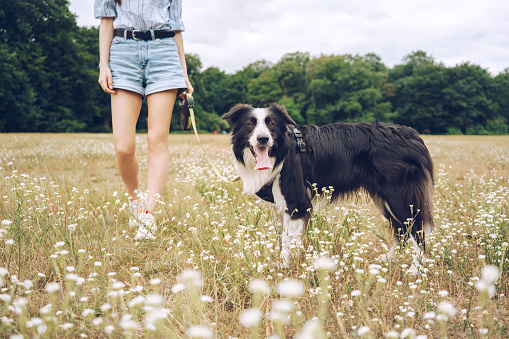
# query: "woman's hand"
x,y
189,90
105,80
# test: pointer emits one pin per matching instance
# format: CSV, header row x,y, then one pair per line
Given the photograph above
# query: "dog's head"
x,y
261,130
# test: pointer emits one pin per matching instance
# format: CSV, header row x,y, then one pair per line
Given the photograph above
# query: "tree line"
x,y
49,72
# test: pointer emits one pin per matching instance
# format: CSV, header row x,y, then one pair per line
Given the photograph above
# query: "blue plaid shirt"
x,y
142,14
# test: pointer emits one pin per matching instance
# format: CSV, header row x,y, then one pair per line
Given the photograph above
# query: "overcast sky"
x,y
230,34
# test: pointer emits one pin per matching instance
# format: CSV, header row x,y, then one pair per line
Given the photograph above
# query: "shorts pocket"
x,y
117,40
166,41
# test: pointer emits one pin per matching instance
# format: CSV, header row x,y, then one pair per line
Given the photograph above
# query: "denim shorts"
x,y
146,66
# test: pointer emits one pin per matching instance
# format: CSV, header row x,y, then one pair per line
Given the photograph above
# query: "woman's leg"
x,y
125,109
160,108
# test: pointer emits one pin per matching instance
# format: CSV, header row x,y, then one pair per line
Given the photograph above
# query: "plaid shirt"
x,y
142,14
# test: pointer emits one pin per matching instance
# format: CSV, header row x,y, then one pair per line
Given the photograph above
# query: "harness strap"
x,y
301,144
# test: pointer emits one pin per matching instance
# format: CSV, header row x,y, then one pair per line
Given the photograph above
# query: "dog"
x,y
279,163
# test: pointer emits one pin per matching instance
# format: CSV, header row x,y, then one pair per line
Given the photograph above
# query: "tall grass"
x,y
71,267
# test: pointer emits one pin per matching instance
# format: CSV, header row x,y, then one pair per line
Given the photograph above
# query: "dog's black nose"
x,y
262,140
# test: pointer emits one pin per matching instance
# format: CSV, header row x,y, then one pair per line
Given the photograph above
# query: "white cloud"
x,y
230,34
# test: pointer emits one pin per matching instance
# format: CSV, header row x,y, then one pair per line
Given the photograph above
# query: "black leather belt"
x,y
144,35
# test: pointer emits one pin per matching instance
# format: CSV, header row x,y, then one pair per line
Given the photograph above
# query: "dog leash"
x,y
185,124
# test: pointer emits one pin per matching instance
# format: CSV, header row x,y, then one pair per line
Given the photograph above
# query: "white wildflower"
x,y
136,301
155,281
283,306
373,271
127,323
72,277
118,285
20,305
324,263
259,286
177,288
290,288
46,309
87,312
153,316
27,284
363,330
105,307
191,279
52,287
67,326
154,300
447,309
250,317
490,274
311,329
429,315
407,333
206,299
356,293
199,332
392,335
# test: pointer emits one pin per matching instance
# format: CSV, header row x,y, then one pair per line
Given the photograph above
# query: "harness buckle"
x,y
301,144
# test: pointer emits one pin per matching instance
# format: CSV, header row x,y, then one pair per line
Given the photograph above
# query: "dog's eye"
x,y
250,124
271,124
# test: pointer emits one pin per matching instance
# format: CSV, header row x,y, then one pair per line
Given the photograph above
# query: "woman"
x,y
141,53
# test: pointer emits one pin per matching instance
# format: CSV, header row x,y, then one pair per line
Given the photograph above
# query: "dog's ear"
x,y
281,111
236,111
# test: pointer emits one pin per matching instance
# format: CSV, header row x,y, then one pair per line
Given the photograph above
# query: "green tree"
x,y
264,89
345,88
45,39
438,98
500,93
467,97
17,97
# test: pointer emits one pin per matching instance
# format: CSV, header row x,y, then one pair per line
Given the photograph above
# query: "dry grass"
x,y
65,223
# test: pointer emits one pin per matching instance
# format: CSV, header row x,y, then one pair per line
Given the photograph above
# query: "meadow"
x,y
70,266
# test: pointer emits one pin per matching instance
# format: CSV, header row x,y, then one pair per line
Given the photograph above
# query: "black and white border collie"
x,y
390,162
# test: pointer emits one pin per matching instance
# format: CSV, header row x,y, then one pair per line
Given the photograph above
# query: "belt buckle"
x,y
134,35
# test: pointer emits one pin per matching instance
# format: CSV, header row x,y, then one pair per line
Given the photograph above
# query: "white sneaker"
x,y
136,209
147,228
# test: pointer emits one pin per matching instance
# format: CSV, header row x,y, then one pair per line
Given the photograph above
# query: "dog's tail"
x,y
423,216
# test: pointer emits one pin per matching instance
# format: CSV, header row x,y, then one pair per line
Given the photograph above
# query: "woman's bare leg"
x,y
160,108
125,109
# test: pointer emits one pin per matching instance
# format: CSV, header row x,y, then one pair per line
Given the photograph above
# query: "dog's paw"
x,y
282,265
284,260
413,270
385,258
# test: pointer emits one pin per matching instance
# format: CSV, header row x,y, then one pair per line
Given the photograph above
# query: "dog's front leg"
x,y
290,237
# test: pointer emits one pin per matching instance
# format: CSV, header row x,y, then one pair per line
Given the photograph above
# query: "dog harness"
x,y
301,144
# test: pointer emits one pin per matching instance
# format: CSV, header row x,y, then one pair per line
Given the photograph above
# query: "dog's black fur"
x,y
390,162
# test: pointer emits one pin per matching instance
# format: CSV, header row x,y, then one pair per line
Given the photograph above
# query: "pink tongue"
x,y
262,158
